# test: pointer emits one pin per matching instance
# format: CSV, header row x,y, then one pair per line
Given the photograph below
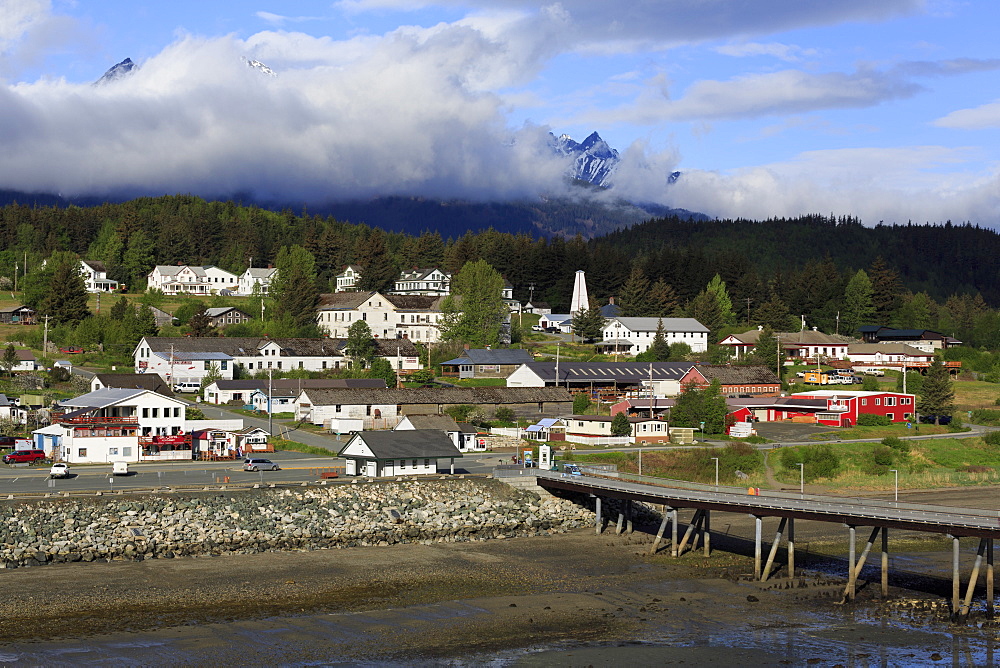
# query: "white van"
x,y
119,468
187,387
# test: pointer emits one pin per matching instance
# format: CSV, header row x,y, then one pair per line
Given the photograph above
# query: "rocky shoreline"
x,y
210,524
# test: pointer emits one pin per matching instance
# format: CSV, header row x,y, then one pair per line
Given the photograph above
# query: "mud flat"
x,y
566,599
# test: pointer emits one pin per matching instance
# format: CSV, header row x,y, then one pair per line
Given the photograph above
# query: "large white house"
x,y
389,316
190,359
256,276
635,335
804,344
114,424
95,275
347,280
428,282
191,279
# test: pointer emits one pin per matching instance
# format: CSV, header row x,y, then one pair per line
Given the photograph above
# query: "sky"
x,y
888,111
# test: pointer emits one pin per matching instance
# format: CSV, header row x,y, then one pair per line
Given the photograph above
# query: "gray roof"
x,y
246,346
669,324
438,421
107,396
261,272
185,356
301,383
146,381
602,372
738,374
408,444
216,311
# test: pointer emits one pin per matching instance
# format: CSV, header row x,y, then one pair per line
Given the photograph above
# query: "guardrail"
x,y
839,507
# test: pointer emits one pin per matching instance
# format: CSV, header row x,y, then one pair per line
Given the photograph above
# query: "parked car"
x,y
572,469
23,456
187,387
537,328
59,470
257,464
931,419
71,350
119,468
552,330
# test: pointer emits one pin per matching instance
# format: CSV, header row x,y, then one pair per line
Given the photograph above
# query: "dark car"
x,y
552,330
22,456
939,419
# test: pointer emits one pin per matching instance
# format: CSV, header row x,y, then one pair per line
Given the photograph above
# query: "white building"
x,y
190,279
348,279
112,424
95,275
462,435
389,316
256,276
805,344
393,453
635,335
432,282
888,356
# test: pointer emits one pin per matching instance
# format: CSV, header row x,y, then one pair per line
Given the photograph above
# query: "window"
x,y
81,452
208,365
337,408
427,462
904,401
864,402
414,463
890,401
177,411
225,365
145,412
156,412
878,401
301,363
891,416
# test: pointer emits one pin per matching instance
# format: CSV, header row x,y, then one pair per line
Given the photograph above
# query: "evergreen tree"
x,y
915,312
662,299
138,260
120,309
146,322
766,351
937,396
620,425
378,268
633,300
360,346
294,286
705,309
200,324
886,290
588,323
475,311
774,314
717,288
858,307
382,368
660,349
65,300
714,409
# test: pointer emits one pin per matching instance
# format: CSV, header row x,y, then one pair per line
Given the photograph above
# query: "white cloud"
x,y
895,185
978,118
786,52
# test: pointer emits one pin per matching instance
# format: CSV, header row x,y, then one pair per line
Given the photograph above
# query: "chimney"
x,y
466,346
611,301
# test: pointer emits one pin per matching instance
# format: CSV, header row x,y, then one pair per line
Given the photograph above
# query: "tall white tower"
x,y
580,300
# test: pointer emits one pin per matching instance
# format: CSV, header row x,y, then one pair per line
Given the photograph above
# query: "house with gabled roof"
x,y
807,344
261,277
486,363
608,381
396,453
17,315
738,379
427,281
923,339
131,381
462,434
95,276
223,316
632,336
239,391
388,316
191,279
348,279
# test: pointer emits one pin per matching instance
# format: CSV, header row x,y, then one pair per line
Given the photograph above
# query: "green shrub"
x,y
897,444
820,461
883,456
581,402
872,420
504,414
992,439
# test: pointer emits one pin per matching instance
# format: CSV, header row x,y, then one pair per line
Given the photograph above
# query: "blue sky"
x,y
885,110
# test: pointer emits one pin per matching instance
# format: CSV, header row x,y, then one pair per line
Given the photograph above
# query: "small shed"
x,y
408,452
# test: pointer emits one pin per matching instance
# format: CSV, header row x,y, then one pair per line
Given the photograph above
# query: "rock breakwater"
x,y
168,526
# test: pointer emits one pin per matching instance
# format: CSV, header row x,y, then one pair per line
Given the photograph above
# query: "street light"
x,y
896,484
802,478
716,459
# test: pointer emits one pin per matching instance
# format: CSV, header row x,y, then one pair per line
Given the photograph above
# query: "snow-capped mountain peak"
x,y
594,160
259,66
117,72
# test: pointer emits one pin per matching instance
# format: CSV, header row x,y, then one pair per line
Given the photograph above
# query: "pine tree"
x,y
858,307
620,425
588,324
937,396
633,300
120,309
662,299
774,314
65,299
766,352
294,286
660,349
138,260
9,359
378,268
717,288
200,324
705,309
886,290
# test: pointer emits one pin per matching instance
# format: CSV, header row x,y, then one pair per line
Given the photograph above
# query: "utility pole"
x,y
748,311
45,339
171,364
15,277
270,428
837,331
557,363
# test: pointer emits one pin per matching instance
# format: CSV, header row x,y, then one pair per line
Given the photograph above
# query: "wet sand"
x,y
573,599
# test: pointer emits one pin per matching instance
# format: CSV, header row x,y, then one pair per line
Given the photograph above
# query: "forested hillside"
x,y
941,277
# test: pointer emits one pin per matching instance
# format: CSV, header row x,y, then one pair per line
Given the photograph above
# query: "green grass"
x,y
878,432
281,444
477,382
932,463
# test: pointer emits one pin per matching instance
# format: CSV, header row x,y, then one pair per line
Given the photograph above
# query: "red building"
x,y
834,408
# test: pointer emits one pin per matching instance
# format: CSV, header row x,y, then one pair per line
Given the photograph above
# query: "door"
x,y
371,469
